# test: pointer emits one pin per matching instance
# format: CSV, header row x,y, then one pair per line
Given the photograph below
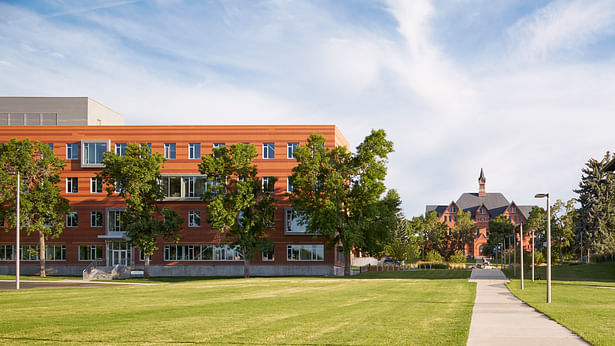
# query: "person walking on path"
x,y
499,318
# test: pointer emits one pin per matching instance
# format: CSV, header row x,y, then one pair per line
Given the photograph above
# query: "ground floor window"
x,y
268,256
7,252
90,252
305,252
52,252
202,252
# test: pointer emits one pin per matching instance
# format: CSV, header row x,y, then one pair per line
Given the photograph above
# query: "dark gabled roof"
x,y
525,210
494,202
437,208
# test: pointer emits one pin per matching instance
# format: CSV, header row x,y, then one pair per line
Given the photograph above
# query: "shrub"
x,y
433,256
457,257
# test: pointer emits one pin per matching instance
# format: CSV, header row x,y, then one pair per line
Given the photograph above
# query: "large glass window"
x,y
268,151
183,187
194,186
52,252
72,151
194,151
202,252
293,224
93,152
291,149
169,151
90,252
7,252
305,252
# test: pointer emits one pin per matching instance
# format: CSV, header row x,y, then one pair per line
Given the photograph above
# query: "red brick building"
x,y
483,206
93,231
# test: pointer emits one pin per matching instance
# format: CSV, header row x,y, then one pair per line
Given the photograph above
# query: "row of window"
x,y
197,252
292,224
93,150
173,186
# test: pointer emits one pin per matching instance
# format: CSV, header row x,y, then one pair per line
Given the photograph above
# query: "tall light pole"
x,y
542,195
17,252
533,263
521,251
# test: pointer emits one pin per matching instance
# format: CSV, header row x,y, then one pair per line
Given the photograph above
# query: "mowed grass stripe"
x,y
254,311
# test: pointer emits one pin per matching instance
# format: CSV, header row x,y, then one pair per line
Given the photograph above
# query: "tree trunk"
x,y
146,268
561,256
347,263
42,254
246,268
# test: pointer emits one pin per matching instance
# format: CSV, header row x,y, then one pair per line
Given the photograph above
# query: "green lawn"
x,y
419,307
577,301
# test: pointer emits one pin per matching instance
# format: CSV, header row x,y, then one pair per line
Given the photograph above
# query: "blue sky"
x,y
523,89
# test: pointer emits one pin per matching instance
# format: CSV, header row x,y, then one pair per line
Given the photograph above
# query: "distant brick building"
x,y
483,207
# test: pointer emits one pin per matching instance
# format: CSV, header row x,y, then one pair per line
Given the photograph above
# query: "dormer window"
x,y
513,209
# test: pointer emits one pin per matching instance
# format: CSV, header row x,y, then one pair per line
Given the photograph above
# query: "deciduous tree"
x,y
136,176
338,194
42,210
239,204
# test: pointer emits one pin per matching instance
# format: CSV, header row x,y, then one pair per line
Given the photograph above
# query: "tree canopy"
x,y
239,204
338,194
42,209
136,177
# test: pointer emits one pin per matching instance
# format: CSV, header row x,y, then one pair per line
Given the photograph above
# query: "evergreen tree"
x,y
42,210
596,216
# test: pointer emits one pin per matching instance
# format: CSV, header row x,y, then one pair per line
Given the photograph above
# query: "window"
x,y
120,149
293,224
72,185
93,153
267,184
203,252
96,218
169,151
305,252
72,219
90,252
113,220
289,185
268,256
96,185
194,151
291,149
7,252
50,146
455,218
218,145
183,187
194,218
29,252
513,209
149,145
268,151
193,186
72,151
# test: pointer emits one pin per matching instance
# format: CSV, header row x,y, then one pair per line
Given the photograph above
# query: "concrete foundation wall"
x,y
192,270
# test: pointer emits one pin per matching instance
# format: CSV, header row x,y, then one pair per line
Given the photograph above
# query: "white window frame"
x,y
269,151
218,145
194,218
96,185
117,220
72,219
265,181
85,153
290,225
70,151
268,256
96,215
120,149
170,151
72,185
289,185
315,250
192,151
91,249
291,148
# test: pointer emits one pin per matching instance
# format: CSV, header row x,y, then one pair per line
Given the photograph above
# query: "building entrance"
x,y
119,252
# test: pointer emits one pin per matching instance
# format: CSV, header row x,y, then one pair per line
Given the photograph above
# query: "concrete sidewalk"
x,y
499,318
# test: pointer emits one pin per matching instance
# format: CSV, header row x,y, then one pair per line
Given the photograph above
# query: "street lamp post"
x,y
17,252
542,195
521,251
533,263
514,254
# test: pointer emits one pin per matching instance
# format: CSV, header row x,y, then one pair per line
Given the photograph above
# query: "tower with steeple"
x,y
481,184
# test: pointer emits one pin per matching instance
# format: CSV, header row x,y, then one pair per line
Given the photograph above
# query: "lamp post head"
x,y
541,195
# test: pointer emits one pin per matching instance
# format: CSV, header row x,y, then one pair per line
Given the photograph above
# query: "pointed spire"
x,y
481,184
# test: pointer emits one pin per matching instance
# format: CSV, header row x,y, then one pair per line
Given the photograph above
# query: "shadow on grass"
x,y
600,272
435,274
